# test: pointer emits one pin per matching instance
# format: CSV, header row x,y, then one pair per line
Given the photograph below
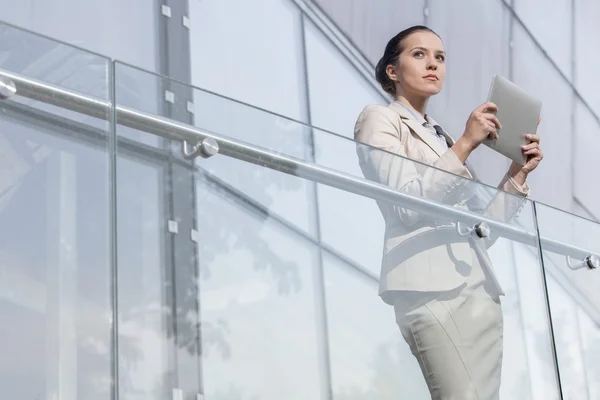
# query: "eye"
x,y
418,53
441,57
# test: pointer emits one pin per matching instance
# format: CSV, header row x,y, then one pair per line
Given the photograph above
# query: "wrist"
x,y
466,144
517,173
462,148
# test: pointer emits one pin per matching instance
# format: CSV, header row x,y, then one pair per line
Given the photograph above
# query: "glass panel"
x,y
553,31
469,72
161,196
574,299
568,341
590,343
232,56
55,292
368,356
159,348
586,147
587,60
132,36
536,75
251,233
259,294
352,229
292,200
337,91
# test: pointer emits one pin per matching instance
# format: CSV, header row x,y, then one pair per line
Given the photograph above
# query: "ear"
x,y
391,72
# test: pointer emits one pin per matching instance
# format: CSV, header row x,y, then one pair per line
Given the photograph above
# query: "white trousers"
x,y
456,338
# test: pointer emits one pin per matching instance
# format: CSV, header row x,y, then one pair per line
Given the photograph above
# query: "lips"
x,y
431,76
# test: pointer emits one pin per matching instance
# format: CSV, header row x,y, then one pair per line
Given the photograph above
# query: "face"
x,y
421,67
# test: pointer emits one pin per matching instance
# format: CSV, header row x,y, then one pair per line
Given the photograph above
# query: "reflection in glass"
x,y
257,293
369,360
55,294
55,335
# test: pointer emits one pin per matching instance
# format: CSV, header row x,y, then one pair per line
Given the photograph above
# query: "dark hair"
x,y
391,54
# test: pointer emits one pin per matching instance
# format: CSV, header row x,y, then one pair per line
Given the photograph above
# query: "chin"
x,y
428,92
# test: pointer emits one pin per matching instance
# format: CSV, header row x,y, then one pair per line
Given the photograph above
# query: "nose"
x,y
432,66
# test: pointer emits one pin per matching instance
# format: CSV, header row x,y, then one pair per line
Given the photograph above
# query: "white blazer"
x,y
421,252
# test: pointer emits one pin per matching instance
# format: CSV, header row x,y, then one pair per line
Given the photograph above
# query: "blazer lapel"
x,y
419,129
423,134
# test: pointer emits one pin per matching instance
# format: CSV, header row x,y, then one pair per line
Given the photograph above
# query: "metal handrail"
x,y
14,84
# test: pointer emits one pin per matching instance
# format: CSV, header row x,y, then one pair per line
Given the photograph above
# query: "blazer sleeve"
x,y
507,204
381,137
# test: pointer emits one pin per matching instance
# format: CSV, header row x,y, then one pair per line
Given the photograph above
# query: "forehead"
x,y
426,39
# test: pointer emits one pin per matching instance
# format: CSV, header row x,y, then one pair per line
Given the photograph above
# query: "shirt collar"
x,y
422,120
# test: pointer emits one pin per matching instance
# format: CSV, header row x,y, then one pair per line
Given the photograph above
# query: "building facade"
x,y
132,272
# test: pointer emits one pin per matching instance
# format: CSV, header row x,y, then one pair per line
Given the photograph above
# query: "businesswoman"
x,y
436,273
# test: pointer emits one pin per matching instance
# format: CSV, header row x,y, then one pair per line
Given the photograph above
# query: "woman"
x,y
438,278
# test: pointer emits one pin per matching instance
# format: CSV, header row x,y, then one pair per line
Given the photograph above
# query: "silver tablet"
x,y
518,112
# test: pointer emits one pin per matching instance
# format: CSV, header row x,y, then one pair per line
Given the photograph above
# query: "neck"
x,y
418,103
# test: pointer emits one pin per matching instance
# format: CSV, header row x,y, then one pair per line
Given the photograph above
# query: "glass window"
x,y
473,59
389,16
551,26
536,75
259,303
587,58
338,93
586,149
123,30
369,358
250,51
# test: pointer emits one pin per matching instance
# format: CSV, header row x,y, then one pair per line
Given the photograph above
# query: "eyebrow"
x,y
425,49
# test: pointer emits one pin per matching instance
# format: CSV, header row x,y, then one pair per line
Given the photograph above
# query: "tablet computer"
x,y
518,112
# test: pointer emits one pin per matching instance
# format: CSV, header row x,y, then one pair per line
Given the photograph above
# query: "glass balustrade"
x,y
55,251
574,299
248,262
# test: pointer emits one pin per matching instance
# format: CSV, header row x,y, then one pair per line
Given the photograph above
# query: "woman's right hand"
x,y
481,125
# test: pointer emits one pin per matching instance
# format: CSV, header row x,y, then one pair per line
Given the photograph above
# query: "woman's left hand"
x,y
534,155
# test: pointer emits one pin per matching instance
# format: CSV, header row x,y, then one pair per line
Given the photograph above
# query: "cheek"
x,y
411,73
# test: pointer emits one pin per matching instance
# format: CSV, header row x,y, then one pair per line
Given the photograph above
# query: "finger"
x,y
533,138
487,107
493,119
492,133
530,146
533,152
490,128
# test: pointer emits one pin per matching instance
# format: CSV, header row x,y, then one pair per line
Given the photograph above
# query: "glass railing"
x,y
201,246
574,300
55,231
